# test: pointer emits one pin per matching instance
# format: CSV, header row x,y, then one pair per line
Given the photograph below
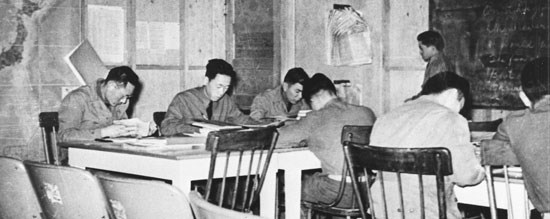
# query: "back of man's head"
x,y
444,81
124,75
296,75
219,66
535,81
431,38
315,84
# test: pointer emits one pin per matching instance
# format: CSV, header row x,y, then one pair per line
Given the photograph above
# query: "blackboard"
x,y
489,41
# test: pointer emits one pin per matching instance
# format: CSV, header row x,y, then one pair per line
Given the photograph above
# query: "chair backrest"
x,y
350,133
68,192
49,124
485,126
496,155
356,133
139,198
250,144
421,161
17,197
207,210
158,117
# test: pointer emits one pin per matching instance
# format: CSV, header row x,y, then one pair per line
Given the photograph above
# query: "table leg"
x,y
293,191
268,206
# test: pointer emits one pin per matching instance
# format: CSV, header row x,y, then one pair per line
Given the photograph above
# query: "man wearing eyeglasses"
x,y
99,110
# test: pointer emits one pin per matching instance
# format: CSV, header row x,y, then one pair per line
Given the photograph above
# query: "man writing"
x,y
321,130
527,133
430,120
99,110
208,102
282,101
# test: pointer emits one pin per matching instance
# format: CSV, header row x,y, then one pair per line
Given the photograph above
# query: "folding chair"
x,y
497,153
49,124
350,133
250,144
144,199
17,197
207,210
68,192
385,160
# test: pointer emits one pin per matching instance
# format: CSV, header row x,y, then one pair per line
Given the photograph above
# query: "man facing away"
x,y
431,46
430,120
321,131
99,110
282,101
527,133
208,102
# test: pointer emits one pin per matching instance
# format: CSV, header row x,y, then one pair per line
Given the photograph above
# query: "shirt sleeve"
x,y
257,110
234,115
178,119
502,132
293,134
467,169
71,112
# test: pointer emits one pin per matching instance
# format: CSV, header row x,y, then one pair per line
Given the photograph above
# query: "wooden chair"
x,y
246,143
68,192
207,210
496,157
420,161
49,125
485,126
350,133
17,197
158,117
139,198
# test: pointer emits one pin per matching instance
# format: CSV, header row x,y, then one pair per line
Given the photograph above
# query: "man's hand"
x,y
118,130
142,128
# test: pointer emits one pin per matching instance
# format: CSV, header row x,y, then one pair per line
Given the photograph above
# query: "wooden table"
x,y
184,166
181,166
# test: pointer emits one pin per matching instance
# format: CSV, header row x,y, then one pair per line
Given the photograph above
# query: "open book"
x,y
215,125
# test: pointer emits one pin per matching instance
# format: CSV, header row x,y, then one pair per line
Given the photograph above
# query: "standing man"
x,y
284,100
208,102
99,110
431,46
321,131
528,133
430,120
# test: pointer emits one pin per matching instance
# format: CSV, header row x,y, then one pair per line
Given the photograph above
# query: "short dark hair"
x,y
535,81
219,66
431,38
296,75
124,75
315,84
447,80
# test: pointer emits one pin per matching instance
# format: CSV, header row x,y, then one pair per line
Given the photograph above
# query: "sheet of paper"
x,y
109,42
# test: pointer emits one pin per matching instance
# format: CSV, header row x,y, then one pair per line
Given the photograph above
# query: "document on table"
x,y
160,143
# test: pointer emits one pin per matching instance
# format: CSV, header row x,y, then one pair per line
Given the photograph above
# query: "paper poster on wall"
x,y
106,32
348,38
85,63
158,43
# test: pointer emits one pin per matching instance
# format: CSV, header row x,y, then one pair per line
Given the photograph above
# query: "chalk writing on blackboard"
x,y
490,41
